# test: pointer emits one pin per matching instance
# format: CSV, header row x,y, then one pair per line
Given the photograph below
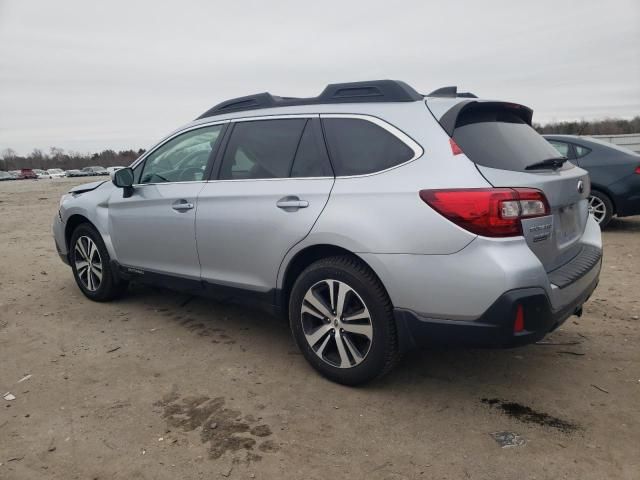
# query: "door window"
x,y
311,158
261,149
183,158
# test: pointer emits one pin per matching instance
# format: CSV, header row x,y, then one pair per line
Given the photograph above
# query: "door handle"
x,y
182,205
291,203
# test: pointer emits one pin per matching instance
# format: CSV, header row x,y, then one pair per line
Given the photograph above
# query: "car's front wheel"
x,y
342,320
91,265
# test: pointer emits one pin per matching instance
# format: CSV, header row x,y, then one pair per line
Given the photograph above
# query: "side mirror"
x,y
123,178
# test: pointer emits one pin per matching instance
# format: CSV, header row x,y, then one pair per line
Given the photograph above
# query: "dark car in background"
x,y
614,172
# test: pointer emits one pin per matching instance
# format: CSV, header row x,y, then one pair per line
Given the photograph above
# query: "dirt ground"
x,y
158,386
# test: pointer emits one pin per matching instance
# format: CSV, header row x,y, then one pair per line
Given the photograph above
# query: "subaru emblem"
x,y
580,186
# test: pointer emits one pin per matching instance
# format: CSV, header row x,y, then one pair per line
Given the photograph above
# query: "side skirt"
x,y
268,301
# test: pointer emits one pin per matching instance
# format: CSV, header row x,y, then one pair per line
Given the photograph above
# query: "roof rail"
x,y
450,92
354,92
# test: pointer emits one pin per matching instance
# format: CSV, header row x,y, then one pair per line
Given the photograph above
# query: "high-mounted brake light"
x,y
490,212
455,149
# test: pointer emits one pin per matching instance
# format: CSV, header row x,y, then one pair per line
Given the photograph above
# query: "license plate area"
x,y
568,225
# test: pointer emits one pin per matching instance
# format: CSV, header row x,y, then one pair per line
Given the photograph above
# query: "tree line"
x,y
608,126
58,158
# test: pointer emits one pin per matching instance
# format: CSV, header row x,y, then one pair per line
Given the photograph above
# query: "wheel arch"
x,y
72,223
605,191
305,257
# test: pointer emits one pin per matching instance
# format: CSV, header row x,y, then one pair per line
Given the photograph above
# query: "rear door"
x,y
273,180
499,139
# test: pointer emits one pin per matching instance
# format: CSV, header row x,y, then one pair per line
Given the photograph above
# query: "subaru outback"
x,y
374,218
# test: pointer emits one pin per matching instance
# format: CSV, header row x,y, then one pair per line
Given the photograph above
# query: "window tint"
x,y
581,151
358,146
499,138
261,149
562,148
311,158
182,159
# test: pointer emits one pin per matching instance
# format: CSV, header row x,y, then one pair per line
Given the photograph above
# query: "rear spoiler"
x,y
449,119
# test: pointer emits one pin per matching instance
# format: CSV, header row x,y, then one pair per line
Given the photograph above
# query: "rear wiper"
x,y
554,163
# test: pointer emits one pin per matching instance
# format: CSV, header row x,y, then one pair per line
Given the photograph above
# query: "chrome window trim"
x,y
268,179
418,151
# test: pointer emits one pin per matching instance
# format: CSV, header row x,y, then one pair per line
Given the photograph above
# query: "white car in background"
x,y
113,169
41,173
56,173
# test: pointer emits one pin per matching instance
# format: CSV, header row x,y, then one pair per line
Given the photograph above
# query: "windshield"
x,y
495,137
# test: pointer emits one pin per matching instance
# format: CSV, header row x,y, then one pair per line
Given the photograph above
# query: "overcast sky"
x,y
86,75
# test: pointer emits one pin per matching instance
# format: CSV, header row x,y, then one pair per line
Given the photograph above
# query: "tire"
x,y
95,286
601,207
354,349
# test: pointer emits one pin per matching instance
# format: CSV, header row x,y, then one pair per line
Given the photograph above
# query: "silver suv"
x,y
374,218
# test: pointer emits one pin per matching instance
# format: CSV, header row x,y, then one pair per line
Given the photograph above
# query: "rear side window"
x,y
261,149
358,147
581,151
498,138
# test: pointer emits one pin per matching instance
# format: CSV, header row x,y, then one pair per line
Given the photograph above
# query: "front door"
x,y
154,229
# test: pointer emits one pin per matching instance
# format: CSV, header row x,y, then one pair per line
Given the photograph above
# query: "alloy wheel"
x,y
597,208
336,323
88,263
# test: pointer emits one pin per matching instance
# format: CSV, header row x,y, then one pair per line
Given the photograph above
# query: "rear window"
x,y
499,138
359,147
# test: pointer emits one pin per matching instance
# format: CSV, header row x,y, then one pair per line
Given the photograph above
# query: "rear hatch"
x,y
508,152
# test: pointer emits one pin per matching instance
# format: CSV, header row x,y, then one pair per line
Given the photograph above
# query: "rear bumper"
x,y
626,195
495,328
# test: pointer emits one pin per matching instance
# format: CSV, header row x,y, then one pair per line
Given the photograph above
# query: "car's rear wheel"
x,y
342,320
601,207
91,265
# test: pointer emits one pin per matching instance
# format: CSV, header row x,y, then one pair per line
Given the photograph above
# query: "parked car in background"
x,y
6,176
41,173
614,172
336,211
111,170
56,173
91,171
75,173
27,173
15,174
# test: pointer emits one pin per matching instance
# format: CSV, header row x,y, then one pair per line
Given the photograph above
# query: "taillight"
x,y
638,170
491,212
455,149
